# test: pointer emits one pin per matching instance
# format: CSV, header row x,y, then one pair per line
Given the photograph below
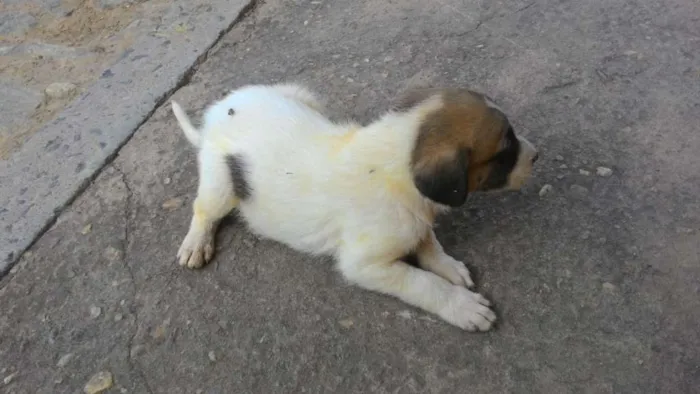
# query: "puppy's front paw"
x,y
468,310
455,271
196,250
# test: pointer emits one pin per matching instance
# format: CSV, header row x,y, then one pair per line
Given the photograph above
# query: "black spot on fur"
x,y
239,173
231,111
503,162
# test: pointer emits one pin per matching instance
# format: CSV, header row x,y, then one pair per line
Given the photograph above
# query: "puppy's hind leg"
x,y
215,199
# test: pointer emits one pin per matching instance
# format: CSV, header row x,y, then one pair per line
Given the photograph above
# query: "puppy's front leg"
x,y
432,257
455,304
215,199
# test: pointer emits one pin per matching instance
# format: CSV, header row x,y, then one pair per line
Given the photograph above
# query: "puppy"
x,y
367,196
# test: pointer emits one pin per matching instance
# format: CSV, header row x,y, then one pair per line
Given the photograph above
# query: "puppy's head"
x,y
464,144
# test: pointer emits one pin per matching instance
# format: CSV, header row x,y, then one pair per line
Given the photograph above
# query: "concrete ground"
x,y
596,282
78,77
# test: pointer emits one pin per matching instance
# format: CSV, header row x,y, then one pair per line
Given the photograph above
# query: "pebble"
x,y
545,190
563,166
603,171
584,172
58,90
585,235
112,253
346,323
167,181
86,230
212,356
9,378
98,383
578,190
172,203
559,157
136,350
95,312
608,286
64,360
406,314
118,317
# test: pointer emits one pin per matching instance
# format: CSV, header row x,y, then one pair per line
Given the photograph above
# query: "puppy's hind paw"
x,y
196,250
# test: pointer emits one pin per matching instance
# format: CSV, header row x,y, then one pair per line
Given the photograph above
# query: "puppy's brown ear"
x,y
443,177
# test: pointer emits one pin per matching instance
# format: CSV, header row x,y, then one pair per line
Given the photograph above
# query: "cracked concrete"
x,y
596,283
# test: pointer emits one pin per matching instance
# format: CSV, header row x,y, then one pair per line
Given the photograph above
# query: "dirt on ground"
x,y
70,42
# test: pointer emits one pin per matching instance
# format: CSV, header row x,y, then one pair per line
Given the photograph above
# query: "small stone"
x,y
609,286
346,323
98,383
584,172
136,350
172,203
560,176
306,23
603,171
95,312
64,360
212,356
480,46
118,317
167,181
9,378
58,90
86,229
112,253
585,235
545,190
559,158
578,190
406,314
563,166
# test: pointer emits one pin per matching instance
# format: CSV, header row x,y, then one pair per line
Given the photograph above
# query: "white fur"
x,y
327,188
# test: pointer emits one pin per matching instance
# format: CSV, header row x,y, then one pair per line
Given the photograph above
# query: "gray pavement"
x,y
596,282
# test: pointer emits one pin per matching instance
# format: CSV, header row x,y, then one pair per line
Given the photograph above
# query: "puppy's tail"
x,y
191,133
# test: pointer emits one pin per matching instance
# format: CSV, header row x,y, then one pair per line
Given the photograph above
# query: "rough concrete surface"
x,y
596,278
47,170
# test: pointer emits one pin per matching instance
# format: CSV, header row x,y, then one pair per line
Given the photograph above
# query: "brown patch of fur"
x,y
464,123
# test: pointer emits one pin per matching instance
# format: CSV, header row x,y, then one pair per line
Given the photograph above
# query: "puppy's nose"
x,y
534,158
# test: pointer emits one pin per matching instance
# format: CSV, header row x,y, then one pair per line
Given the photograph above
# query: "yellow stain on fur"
x,y
341,141
363,238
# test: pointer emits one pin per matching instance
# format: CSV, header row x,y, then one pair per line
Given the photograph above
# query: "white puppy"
x,y
367,196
